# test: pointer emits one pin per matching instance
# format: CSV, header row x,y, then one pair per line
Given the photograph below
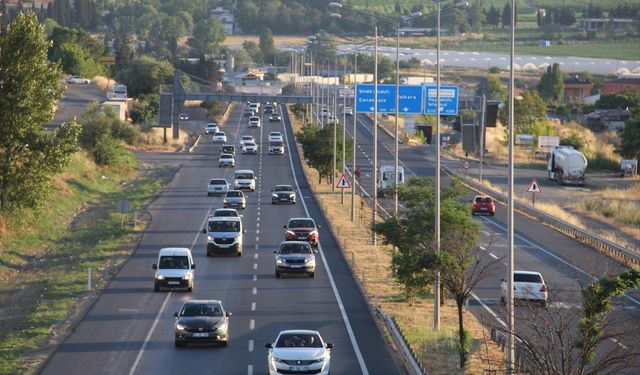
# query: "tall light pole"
x,y
436,279
510,243
374,192
335,129
353,152
344,126
396,147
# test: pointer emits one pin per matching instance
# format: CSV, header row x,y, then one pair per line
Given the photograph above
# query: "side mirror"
x,y
204,230
228,314
319,226
175,314
284,226
329,345
268,345
193,266
316,251
503,280
154,266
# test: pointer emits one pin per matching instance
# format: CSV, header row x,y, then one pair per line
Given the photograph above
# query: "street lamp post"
x,y
344,126
397,132
353,152
436,281
510,222
374,192
335,129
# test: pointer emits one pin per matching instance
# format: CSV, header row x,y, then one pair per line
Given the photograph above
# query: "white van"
x,y
174,270
224,235
244,179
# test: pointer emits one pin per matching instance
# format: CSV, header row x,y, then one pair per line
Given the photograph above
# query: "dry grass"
x,y
370,264
234,40
153,141
102,82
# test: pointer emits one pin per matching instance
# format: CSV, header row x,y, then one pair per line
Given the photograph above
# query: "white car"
x,y
217,186
226,160
249,147
275,136
247,138
299,352
324,112
331,120
244,179
347,111
527,285
211,128
219,137
254,122
226,212
78,79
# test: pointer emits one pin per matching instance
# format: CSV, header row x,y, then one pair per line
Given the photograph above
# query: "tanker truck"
x,y
566,165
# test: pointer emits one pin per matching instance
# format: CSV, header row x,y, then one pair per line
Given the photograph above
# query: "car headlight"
x,y
220,327
290,233
319,360
292,195
186,277
159,277
209,238
180,327
225,200
274,195
276,359
280,261
310,260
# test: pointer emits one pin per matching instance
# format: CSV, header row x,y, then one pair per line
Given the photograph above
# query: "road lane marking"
x,y
255,277
254,291
255,266
146,339
257,239
257,232
250,345
493,256
250,370
255,256
257,246
252,324
257,225
343,312
253,306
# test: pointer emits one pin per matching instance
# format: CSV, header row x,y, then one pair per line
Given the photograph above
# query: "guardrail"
x,y
602,244
409,358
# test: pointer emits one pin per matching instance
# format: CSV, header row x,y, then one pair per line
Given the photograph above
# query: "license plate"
x,y
200,334
298,368
284,199
483,208
302,238
295,266
173,282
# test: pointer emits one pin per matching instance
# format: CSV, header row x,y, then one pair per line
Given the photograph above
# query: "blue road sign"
x,y
448,100
409,100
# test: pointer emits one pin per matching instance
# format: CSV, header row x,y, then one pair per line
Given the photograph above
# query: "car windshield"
x,y
225,213
174,262
226,156
283,188
274,134
276,143
247,138
201,309
217,182
219,134
301,223
295,248
527,278
224,226
483,200
299,340
234,194
244,176
254,119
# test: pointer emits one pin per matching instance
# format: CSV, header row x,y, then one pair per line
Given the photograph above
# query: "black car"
x,y
275,116
202,321
228,149
283,194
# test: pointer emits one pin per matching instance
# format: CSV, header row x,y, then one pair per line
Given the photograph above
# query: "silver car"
x,y
295,257
217,186
235,198
226,160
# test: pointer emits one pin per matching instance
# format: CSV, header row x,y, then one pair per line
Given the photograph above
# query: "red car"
x,y
483,204
302,229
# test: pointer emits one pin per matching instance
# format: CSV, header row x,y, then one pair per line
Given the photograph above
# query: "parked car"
x,y
527,286
211,128
234,198
78,79
254,122
302,229
226,160
483,204
225,234
283,194
275,116
275,136
201,321
174,270
217,186
295,257
220,137
299,352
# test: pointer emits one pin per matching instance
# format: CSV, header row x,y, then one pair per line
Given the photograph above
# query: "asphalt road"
x,y
563,261
129,330
74,101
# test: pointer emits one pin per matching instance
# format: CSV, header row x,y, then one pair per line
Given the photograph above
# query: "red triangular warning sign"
x,y
343,183
534,187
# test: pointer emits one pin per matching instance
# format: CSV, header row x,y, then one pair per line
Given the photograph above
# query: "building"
x,y
225,17
605,24
576,88
627,83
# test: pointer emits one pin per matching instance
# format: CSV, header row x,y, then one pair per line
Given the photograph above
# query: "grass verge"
x,y
370,264
46,253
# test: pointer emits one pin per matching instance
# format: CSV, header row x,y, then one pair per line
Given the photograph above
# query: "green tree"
x,y
207,36
78,61
551,85
253,51
317,147
266,45
146,109
630,139
495,89
529,115
145,75
30,87
621,100
493,16
477,16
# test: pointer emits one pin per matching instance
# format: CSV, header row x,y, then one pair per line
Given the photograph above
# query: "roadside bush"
x,y
494,70
214,109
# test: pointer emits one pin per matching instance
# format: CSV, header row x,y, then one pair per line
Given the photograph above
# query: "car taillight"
x,y
290,233
475,204
543,288
313,233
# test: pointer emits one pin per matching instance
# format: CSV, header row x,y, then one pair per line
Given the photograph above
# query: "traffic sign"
x,y
109,60
466,164
534,187
448,100
409,98
343,183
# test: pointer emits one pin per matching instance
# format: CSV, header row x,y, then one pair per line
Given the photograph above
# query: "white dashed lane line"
x,y
255,266
255,290
255,256
250,370
255,277
253,306
252,324
250,345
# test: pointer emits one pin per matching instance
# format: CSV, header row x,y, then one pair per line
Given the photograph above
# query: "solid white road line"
x,y
493,256
347,323
146,339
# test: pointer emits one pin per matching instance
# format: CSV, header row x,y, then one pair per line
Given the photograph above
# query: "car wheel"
x,y
156,287
312,274
239,253
208,194
190,289
277,275
178,344
503,301
493,214
225,343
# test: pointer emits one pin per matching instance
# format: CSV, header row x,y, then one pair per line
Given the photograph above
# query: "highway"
x,y
563,262
74,101
129,329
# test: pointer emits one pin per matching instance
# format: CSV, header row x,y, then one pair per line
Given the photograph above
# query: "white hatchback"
x,y
299,352
275,136
220,137
527,285
254,122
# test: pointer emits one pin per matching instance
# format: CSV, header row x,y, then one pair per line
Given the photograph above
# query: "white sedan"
x,y
78,79
219,137
249,147
211,128
275,136
247,138
226,160
254,121
527,286
299,352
